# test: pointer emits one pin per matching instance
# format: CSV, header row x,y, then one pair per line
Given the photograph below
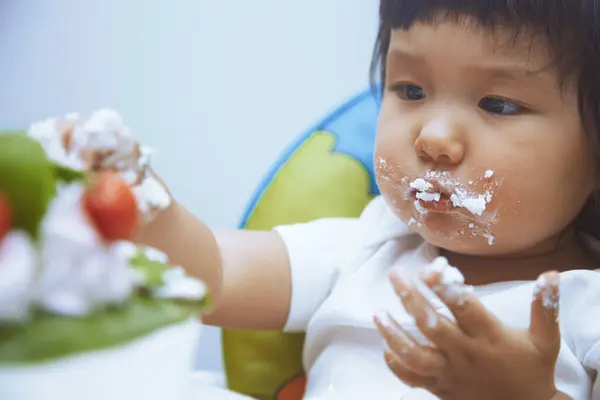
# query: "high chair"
x,y
326,172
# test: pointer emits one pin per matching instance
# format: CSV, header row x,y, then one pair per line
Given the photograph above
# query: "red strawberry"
x,y
112,206
5,215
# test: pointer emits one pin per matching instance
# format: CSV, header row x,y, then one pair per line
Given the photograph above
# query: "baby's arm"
x,y
248,272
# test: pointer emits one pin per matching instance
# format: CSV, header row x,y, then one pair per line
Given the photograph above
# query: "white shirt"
x,y
339,269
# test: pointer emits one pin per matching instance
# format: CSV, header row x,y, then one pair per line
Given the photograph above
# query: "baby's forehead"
x,y
474,44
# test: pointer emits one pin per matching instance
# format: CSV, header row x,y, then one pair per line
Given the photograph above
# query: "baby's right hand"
x,y
103,142
152,196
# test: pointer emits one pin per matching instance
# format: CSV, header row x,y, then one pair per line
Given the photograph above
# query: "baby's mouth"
x,y
438,192
440,204
432,195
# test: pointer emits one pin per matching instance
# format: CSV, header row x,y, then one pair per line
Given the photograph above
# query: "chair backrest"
x,y
326,172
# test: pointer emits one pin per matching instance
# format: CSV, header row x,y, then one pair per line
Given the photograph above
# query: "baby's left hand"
x,y
476,357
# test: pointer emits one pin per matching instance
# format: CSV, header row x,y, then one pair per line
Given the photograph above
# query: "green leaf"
x,y
48,337
152,271
66,174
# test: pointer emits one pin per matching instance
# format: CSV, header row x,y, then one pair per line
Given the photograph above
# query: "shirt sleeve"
x,y
315,251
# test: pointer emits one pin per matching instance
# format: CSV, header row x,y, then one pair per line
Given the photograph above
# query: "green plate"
x,y
48,336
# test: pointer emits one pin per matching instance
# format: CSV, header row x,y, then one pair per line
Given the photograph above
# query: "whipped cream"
x,y
546,289
79,272
105,131
154,254
452,281
72,271
459,196
52,134
103,141
178,285
150,195
421,185
18,264
474,204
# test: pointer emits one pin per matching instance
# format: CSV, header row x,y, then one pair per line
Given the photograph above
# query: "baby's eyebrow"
x,y
509,71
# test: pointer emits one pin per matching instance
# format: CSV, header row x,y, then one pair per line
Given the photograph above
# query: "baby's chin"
x,y
454,234
457,243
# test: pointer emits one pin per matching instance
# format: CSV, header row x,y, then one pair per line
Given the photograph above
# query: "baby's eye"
x,y
499,106
410,92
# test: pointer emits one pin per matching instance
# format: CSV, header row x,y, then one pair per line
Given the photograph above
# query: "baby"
x,y
487,160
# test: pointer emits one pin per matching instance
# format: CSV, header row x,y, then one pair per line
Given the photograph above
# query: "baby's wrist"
x,y
153,197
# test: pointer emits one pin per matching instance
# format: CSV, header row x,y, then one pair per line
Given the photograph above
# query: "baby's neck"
x,y
565,254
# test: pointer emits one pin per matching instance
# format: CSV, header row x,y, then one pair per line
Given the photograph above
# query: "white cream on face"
x,y
475,197
428,196
460,196
421,185
475,202
420,209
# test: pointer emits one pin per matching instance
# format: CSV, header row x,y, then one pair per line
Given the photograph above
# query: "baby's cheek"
x,y
397,200
527,215
391,180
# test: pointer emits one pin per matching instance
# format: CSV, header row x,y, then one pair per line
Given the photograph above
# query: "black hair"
x,y
572,30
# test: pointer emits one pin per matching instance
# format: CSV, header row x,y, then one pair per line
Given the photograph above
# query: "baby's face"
x,y
479,149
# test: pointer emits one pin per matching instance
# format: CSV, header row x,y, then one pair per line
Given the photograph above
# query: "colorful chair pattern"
x,y
326,172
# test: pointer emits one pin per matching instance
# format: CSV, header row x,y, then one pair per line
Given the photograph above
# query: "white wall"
x,y
220,87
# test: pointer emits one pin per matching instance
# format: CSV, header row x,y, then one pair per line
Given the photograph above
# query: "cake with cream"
x,y
84,312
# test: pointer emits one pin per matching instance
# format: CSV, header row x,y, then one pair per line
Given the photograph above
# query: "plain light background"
x,y
219,87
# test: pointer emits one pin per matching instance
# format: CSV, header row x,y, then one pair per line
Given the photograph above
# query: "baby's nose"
x,y
440,141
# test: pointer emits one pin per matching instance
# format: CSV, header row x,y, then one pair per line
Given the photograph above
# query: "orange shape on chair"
x,y
293,389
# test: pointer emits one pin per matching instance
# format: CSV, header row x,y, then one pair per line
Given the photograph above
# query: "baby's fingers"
x,y
471,315
406,375
420,359
544,329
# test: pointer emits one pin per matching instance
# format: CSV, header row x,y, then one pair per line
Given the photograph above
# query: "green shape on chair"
x,y
313,183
